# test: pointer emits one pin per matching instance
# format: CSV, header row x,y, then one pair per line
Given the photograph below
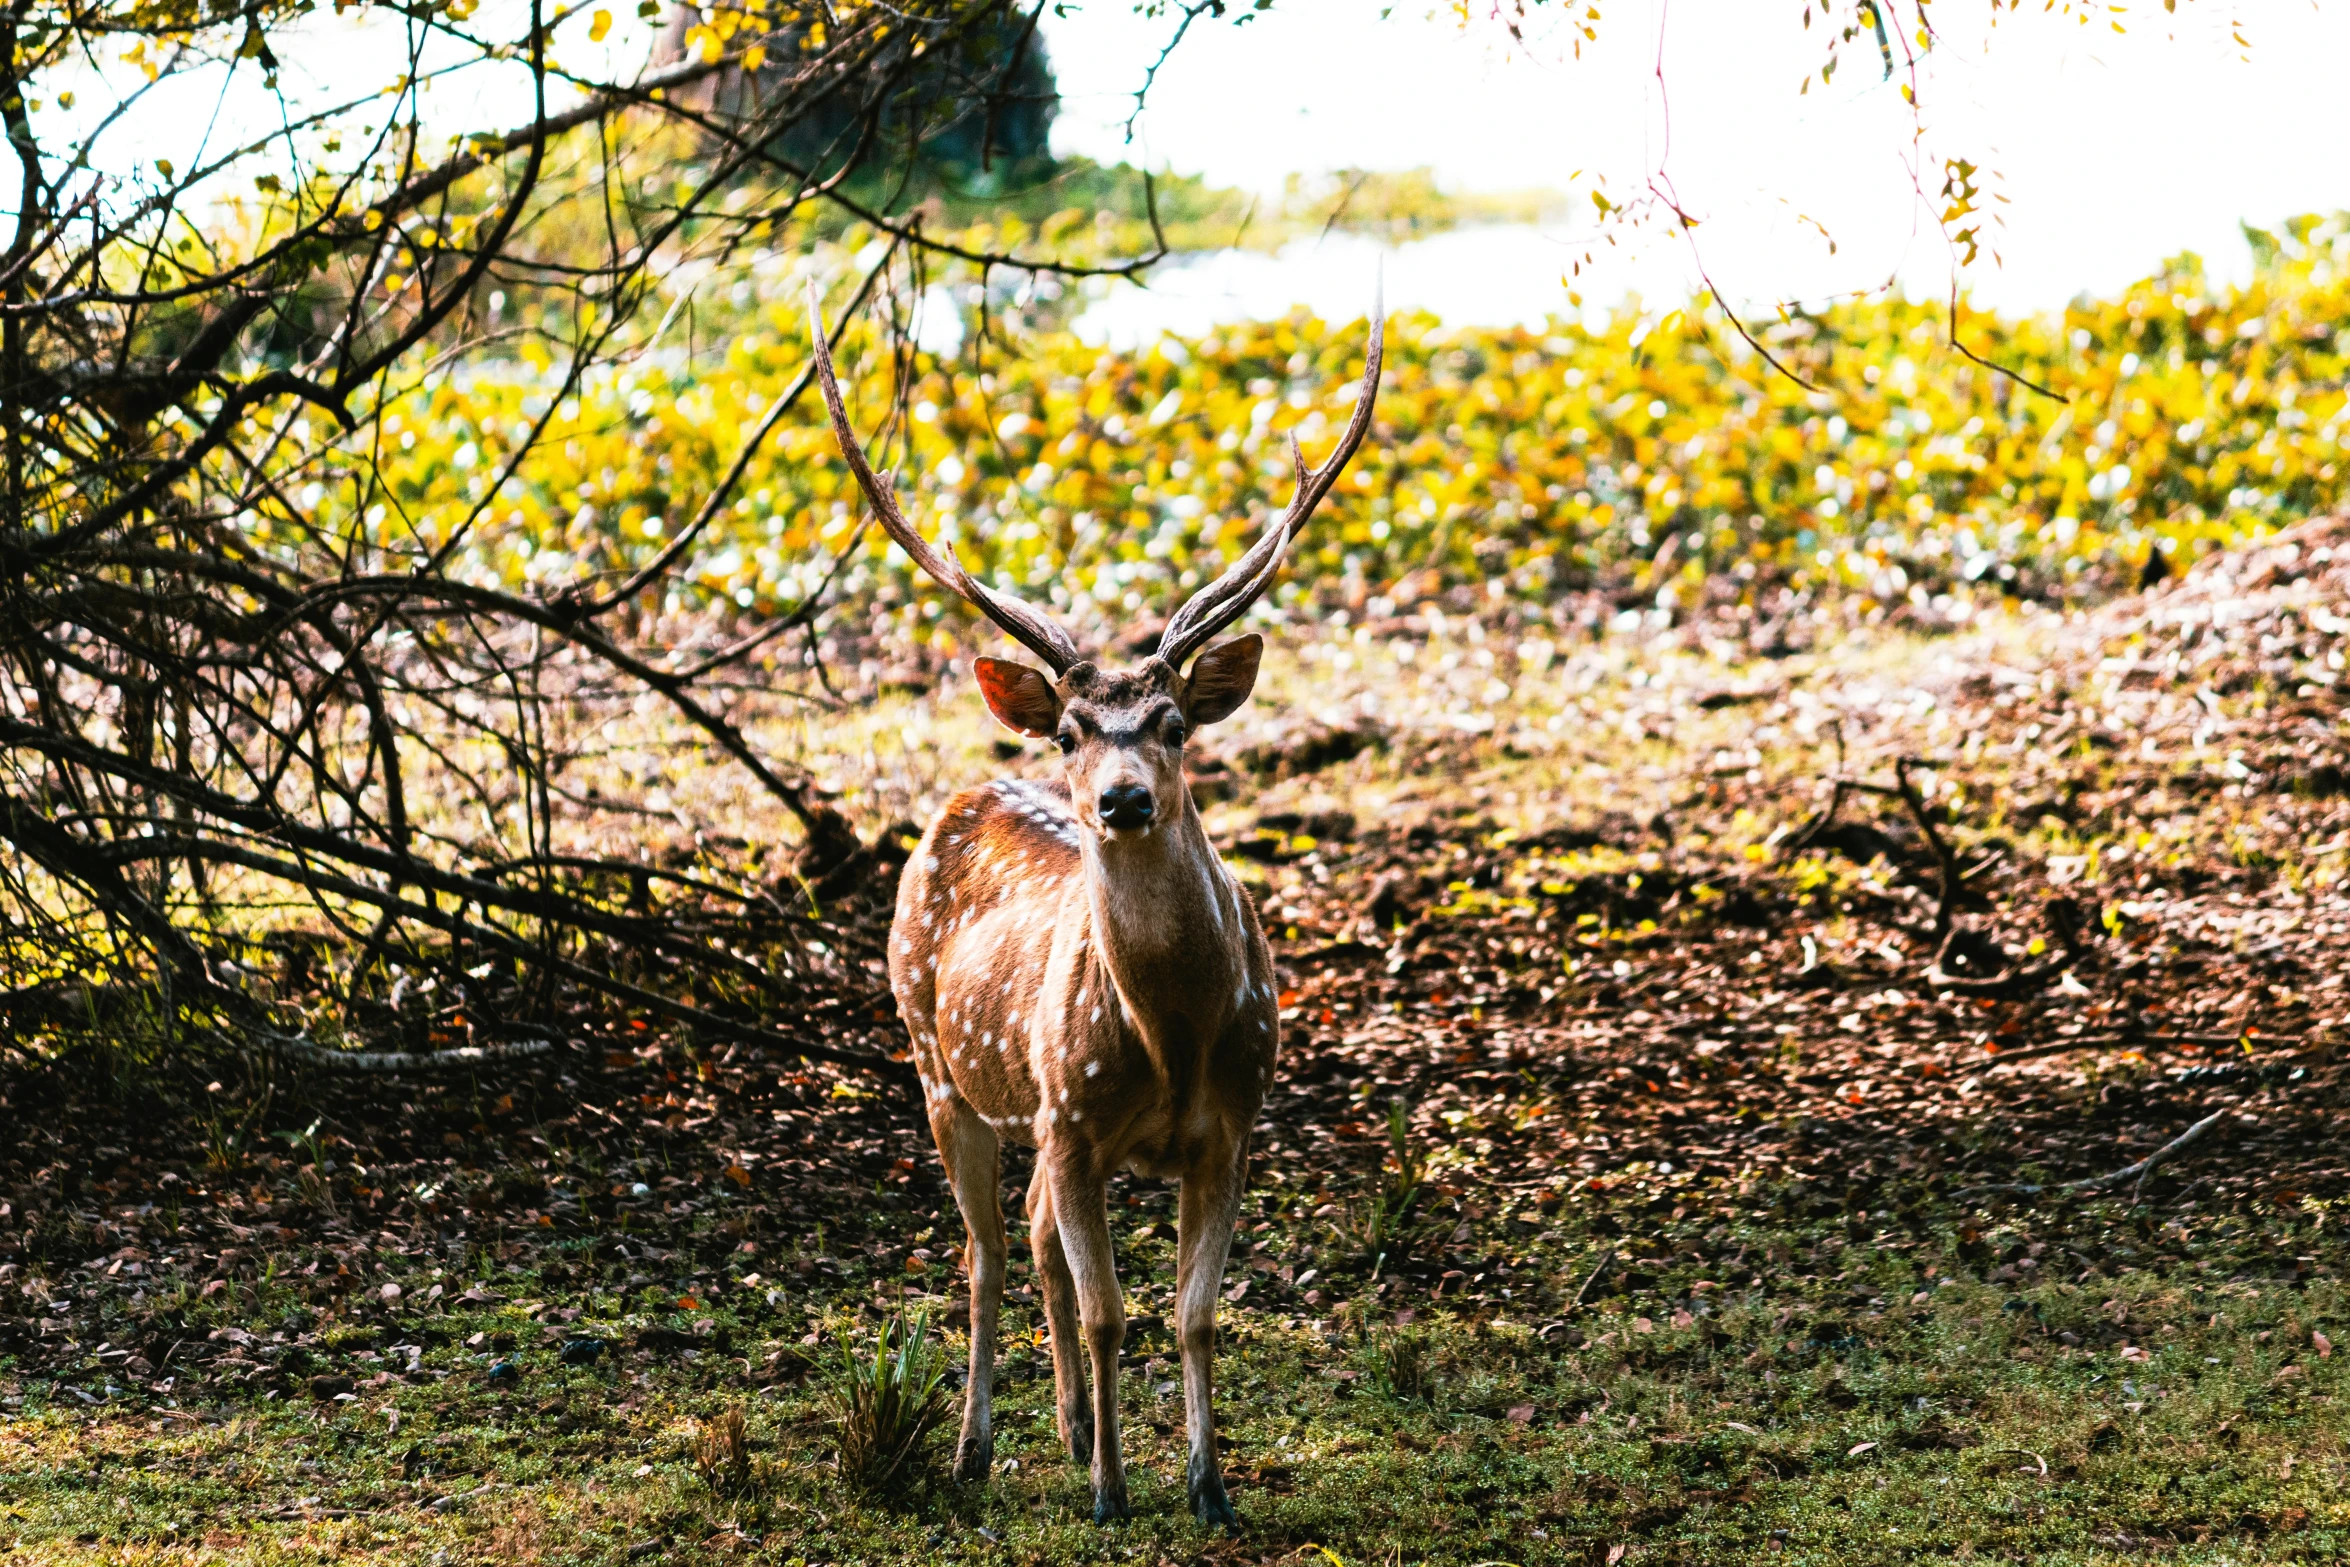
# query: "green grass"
x,y
1792,1417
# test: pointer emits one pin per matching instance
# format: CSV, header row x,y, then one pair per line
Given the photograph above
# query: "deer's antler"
x,y
1028,626
1226,599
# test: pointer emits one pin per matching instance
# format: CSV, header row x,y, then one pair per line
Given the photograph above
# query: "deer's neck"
x,y
1167,918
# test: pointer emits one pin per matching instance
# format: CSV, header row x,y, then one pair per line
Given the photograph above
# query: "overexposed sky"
x,y
2112,151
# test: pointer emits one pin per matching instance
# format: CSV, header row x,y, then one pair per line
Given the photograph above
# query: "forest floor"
x,y
1648,1178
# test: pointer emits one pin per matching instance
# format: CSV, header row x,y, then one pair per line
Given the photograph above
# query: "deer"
x,y
1079,972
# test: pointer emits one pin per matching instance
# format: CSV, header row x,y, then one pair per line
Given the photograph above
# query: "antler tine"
x,y
1227,598
1027,626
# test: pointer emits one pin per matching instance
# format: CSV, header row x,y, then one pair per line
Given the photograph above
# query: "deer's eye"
x,y
1175,731
1067,742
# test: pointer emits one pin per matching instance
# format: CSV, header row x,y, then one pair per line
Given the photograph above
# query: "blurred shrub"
x,y
1523,463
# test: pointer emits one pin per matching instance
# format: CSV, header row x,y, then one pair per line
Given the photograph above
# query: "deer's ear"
x,y
1222,677
1021,698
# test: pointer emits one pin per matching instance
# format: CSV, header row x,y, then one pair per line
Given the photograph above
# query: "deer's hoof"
x,y
1109,1504
1209,1503
974,1458
1079,1435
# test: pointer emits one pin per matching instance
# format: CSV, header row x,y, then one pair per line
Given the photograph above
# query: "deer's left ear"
x,y
1222,677
1021,698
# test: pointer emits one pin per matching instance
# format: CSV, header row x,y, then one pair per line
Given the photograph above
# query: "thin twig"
x,y
1605,1259
2124,1040
1995,368
1191,14
311,1053
2097,1183
1948,878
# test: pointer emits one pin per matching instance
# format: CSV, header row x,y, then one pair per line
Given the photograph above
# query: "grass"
x,y
1778,1369
1866,1403
886,1403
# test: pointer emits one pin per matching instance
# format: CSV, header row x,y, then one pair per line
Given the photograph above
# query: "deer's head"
x,y
1121,732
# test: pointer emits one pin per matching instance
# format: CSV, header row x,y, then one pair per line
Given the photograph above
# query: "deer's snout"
x,y
1126,805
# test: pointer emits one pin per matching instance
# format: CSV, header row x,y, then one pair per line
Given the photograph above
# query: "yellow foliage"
x,y
1521,460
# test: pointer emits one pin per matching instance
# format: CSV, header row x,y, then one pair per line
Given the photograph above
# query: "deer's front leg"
x,y
1207,1210
968,1147
1081,1205
1075,1417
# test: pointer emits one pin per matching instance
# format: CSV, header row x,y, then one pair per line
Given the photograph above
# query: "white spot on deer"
x,y
1093,1069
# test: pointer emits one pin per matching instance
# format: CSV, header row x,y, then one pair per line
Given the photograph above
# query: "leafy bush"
x,y
1520,461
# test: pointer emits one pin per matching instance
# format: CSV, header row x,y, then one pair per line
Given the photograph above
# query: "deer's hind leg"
x,y
967,1146
1074,1414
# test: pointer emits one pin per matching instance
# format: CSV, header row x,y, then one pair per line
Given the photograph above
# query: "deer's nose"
x,y
1126,805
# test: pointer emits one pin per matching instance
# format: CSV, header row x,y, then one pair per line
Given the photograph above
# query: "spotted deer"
x,y
1080,972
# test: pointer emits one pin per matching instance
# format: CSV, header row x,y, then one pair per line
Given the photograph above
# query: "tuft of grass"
x,y
1403,1364
1383,1218
722,1454
885,1405
229,1137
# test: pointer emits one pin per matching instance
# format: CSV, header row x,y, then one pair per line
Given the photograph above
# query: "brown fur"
x,y
1106,996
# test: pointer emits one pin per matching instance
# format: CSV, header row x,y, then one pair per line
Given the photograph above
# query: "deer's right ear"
x,y
1021,698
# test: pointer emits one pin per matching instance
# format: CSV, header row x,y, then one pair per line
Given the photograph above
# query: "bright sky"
x,y
2116,151
2113,151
